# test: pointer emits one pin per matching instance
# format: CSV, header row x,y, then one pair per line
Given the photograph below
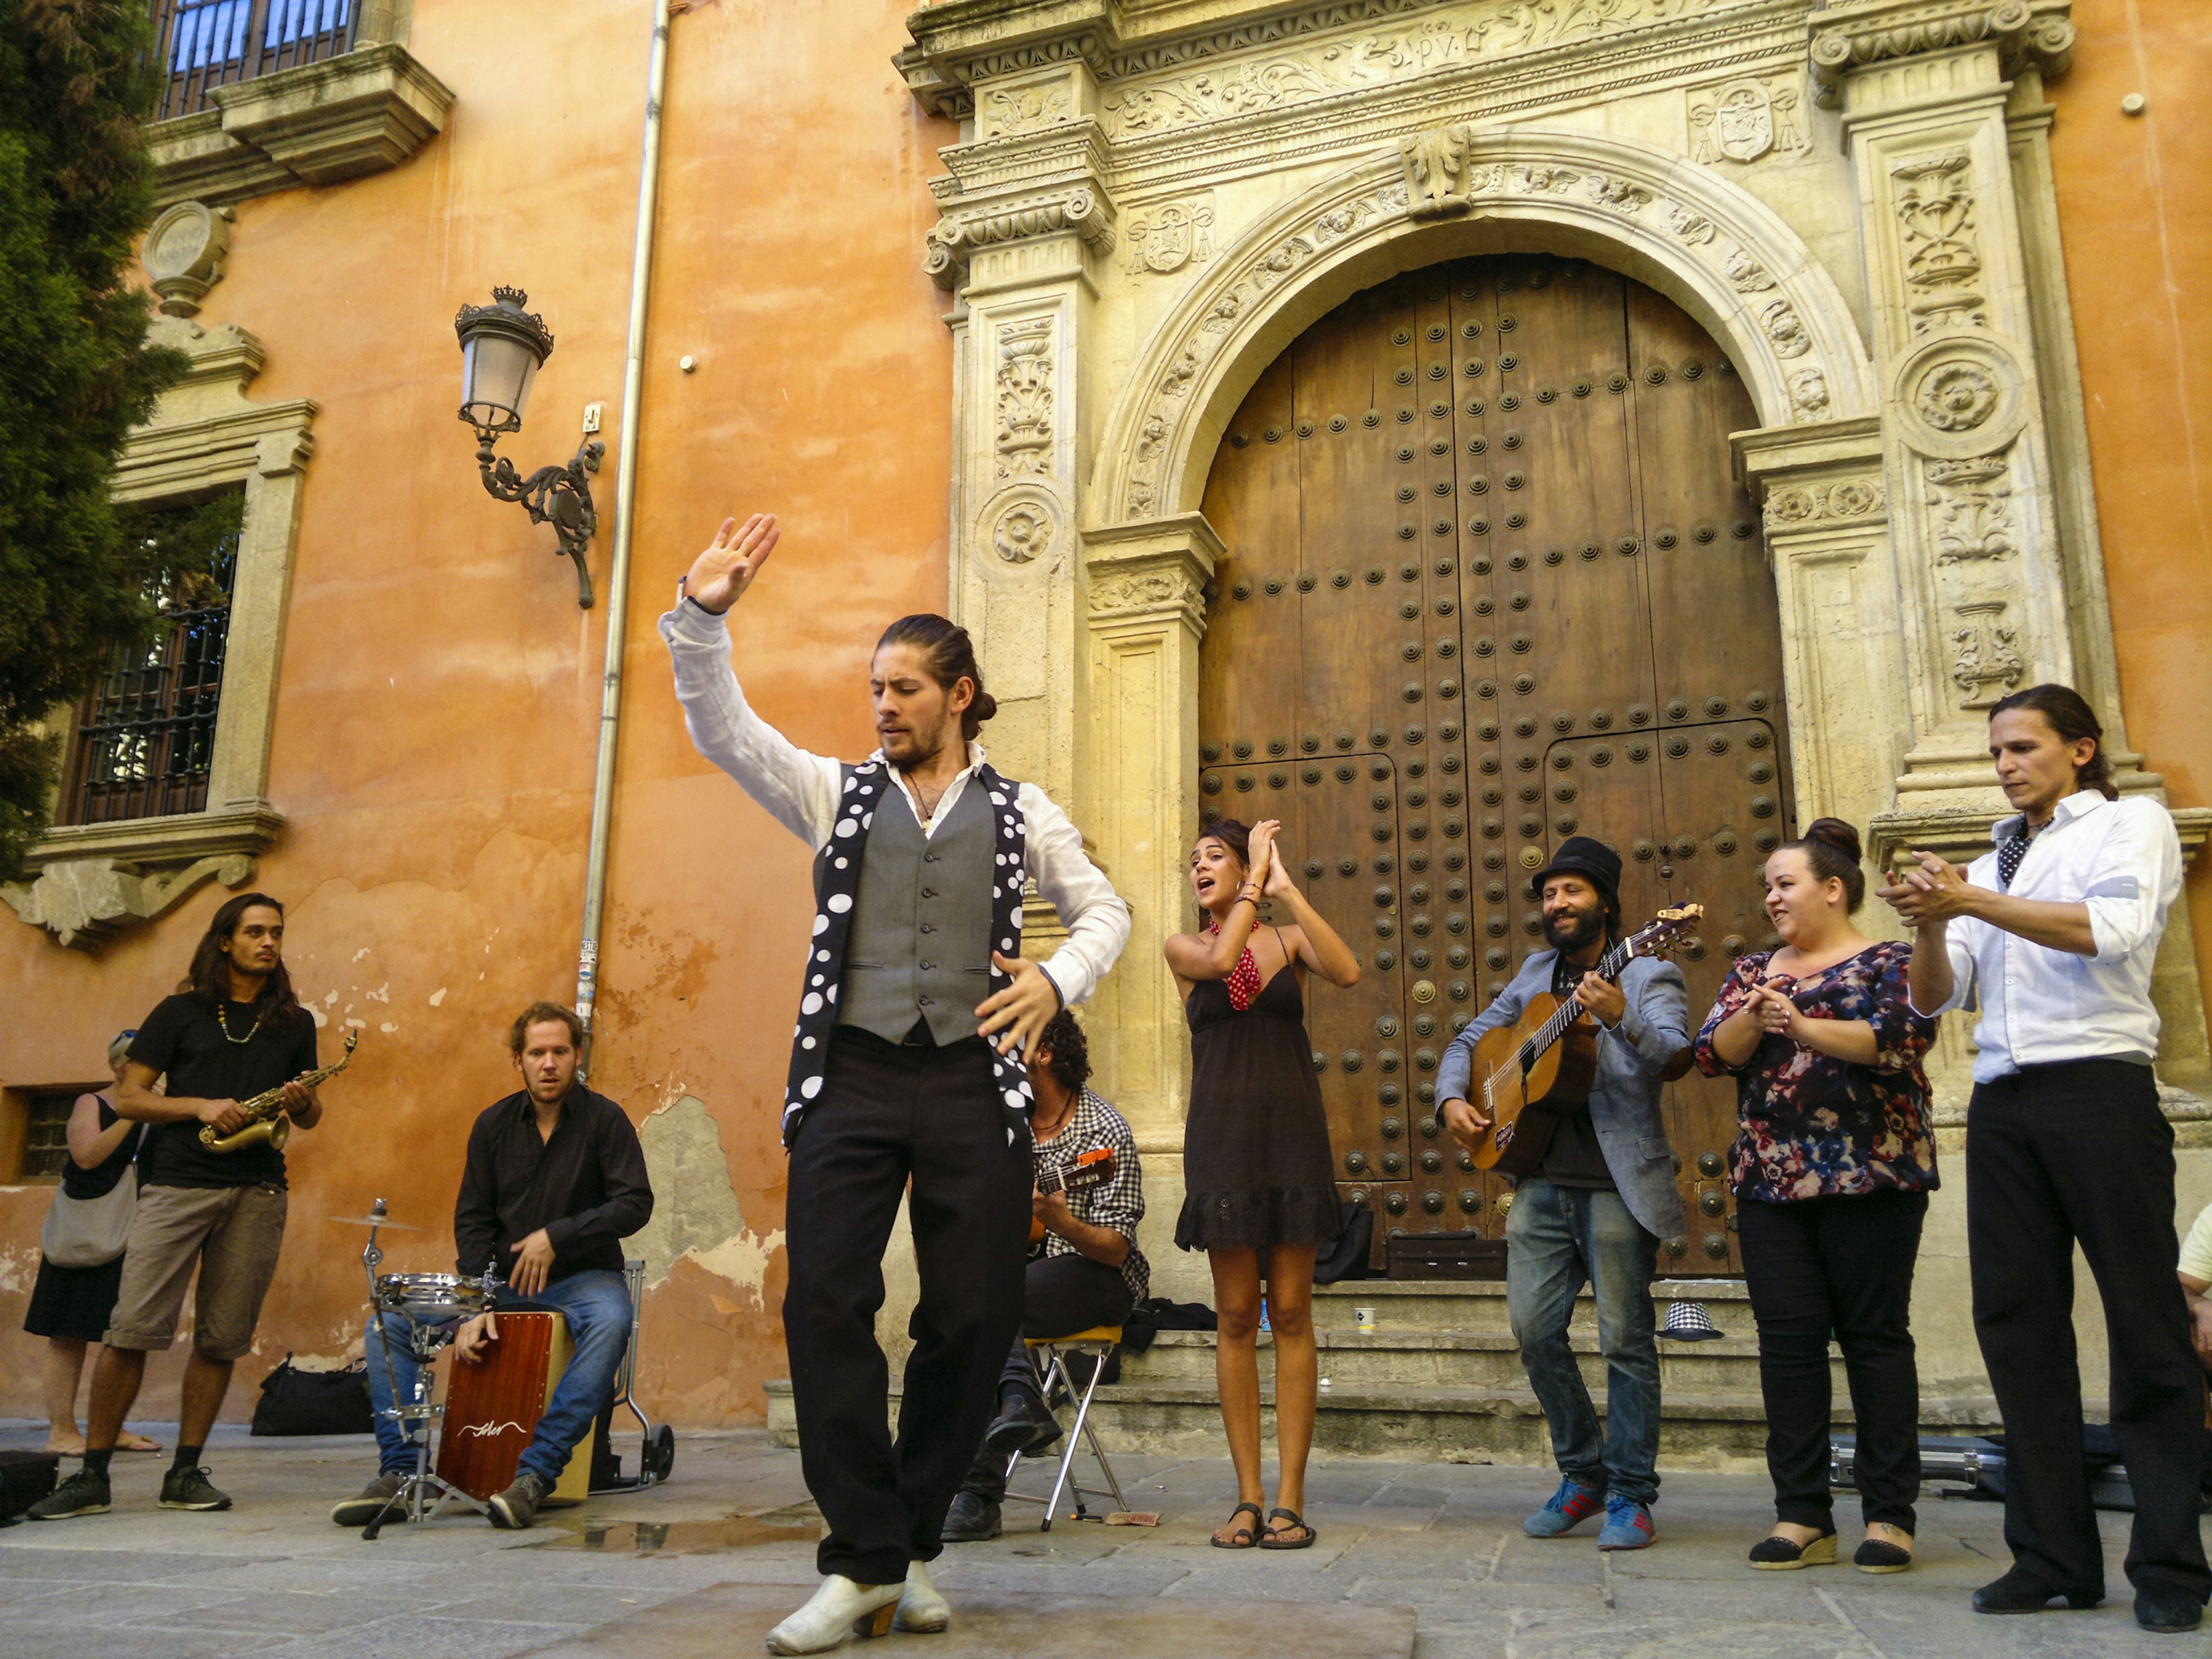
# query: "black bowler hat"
x,y
1582,855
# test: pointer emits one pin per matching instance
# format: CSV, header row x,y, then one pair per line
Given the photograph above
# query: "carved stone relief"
x,y
1821,506
1984,663
954,238
1959,396
1742,120
1021,527
1165,237
86,903
184,254
1000,111
1935,205
1024,380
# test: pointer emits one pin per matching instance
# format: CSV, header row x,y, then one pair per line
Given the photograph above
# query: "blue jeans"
x,y
596,1304
1556,1239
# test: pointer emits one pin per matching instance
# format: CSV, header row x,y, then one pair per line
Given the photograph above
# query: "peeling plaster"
x,y
438,996
741,1260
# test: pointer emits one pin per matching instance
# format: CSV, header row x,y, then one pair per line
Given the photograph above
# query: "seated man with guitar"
x,y
555,1181
1557,1084
1084,1270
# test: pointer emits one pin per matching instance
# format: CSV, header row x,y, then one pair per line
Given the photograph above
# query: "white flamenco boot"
x,y
921,1610
839,1607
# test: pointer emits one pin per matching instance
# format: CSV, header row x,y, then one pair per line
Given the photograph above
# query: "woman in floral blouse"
x,y
1833,1164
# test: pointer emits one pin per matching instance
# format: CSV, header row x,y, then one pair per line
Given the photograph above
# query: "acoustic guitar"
x,y
1092,1169
1547,1059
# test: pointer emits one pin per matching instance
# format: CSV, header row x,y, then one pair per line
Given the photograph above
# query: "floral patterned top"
x,y
1811,1125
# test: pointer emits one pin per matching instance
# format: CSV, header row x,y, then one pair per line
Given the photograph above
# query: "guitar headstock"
x,y
1666,930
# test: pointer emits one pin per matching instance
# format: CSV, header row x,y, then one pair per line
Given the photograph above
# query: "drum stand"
x,y
423,1494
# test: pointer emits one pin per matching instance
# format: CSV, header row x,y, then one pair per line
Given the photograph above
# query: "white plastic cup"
x,y
1365,1317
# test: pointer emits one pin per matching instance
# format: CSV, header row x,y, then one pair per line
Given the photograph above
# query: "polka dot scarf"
x,y
837,884
1243,978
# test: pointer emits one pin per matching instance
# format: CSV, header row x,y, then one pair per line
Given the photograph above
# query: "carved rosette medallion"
x,y
1959,397
184,254
1816,506
1021,528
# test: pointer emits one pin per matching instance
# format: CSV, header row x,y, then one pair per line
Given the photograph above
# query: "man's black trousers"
x,y
2057,1154
887,1114
1064,1294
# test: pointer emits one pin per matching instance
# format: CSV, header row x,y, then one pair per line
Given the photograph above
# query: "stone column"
x,y
1922,85
1140,795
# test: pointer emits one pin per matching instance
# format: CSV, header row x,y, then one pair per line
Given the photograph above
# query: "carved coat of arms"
x,y
1169,237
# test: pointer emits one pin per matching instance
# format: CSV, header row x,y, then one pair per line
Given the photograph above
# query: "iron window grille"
x,y
213,42
145,738
45,1133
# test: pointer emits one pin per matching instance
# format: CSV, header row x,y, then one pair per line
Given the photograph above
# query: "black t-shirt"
x,y
1573,1157
184,1039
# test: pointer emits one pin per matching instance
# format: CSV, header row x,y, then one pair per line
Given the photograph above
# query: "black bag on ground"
x,y
1156,1313
1347,1257
25,1477
296,1401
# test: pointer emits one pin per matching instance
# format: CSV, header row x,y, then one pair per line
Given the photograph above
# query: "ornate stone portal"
x,y
1149,202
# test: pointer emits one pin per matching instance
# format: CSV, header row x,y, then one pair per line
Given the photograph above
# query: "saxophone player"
x,y
236,1031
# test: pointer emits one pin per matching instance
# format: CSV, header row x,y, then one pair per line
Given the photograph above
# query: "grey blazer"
x,y
1624,1097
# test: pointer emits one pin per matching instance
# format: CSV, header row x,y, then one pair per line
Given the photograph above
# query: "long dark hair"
x,y
1831,847
950,656
2072,719
210,981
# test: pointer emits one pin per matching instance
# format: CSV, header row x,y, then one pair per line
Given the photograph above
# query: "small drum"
x,y
432,1298
492,1408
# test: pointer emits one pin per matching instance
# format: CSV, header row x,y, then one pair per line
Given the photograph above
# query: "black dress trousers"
x,y
888,1114
2079,1151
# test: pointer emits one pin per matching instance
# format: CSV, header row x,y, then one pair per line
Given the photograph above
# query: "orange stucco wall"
x,y
2135,206
440,689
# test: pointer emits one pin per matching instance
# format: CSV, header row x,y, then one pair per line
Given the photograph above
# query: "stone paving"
x,y
1428,1552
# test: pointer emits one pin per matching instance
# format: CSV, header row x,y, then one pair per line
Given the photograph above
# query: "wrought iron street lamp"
x,y
501,347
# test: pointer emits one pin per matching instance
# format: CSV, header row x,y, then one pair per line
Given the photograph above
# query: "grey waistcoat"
x,y
921,939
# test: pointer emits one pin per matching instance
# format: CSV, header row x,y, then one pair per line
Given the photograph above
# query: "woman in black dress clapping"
x,y
1259,1191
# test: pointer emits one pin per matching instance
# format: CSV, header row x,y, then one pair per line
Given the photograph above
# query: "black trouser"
x,y
2080,1151
1840,1265
886,1113
1063,1294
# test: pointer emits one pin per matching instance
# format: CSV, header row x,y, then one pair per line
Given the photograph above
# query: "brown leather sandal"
x,y
1244,1537
1275,1540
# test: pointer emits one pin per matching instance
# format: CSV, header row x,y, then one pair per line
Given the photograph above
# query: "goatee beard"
x,y
1572,933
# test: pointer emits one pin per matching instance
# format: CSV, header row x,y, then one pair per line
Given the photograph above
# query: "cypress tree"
x,y
77,77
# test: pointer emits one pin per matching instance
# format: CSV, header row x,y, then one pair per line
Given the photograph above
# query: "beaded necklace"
x,y
221,1020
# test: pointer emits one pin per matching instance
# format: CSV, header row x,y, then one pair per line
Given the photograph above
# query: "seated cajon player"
x,y
555,1181
1085,1272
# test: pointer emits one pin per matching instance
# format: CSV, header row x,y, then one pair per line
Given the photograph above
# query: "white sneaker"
x,y
840,1607
921,1610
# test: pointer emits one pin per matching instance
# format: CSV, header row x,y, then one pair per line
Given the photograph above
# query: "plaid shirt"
x,y
1118,1204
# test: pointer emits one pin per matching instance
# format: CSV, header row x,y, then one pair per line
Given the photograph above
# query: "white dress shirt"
x,y
2123,859
801,791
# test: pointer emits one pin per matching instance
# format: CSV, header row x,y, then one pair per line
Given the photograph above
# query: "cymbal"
x,y
375,1217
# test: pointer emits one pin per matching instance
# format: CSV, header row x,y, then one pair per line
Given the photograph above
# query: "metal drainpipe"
x,y
603,784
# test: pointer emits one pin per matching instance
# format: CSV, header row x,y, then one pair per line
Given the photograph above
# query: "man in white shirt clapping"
x,y
2053,933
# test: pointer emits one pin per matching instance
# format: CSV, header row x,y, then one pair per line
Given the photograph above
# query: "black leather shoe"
x,y
2021,1592
1022,1425
971,1520
2168,1612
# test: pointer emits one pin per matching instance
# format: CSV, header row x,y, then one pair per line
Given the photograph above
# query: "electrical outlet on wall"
x,y
593,413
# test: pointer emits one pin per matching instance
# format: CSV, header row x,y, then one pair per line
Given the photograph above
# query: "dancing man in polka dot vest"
x,y
916,1007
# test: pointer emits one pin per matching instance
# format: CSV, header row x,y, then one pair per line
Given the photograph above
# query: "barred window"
x,y
145,738
45,1133
212,43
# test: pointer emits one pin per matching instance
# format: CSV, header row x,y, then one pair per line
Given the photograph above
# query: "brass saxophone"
x,y
270,1125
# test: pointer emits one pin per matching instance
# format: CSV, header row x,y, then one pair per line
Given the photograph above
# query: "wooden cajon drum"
x,y
492,1409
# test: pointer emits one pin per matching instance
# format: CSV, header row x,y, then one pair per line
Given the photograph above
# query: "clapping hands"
x,y
1776,1014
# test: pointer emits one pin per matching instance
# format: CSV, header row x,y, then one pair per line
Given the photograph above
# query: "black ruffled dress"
x,y
1255,1158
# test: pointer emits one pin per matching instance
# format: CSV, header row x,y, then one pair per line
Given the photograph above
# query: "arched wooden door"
x,y
1490,583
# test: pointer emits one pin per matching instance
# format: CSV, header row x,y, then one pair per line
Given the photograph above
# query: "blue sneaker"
x,y
1571,1505
1628,1525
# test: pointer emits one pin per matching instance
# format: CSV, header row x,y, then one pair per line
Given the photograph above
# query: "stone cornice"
x,y
1854,34
92,881
1144,570
315,124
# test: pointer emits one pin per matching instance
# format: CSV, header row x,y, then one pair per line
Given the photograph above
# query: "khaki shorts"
x,y
233,1234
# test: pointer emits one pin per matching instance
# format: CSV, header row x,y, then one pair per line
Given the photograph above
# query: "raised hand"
x,y
721,573
1262,846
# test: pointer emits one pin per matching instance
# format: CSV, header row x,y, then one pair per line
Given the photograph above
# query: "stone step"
x,y
1461,1424
1479,1305
1489,1359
